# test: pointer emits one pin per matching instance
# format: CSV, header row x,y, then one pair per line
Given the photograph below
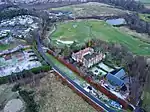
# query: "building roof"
x,y
89,56
114,80
120,74
83,52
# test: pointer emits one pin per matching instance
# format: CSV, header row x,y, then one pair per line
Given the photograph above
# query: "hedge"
x,y
28,97
4,80
41,69
25,73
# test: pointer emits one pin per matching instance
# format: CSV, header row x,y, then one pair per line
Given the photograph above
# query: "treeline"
x,y
9,13
131,5
4,6
126,4
136,66
135,23
28,97
24,74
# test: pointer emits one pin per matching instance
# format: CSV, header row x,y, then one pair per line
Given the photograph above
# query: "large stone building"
x,y
88,57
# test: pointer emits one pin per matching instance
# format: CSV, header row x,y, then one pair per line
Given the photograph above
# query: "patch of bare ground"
x,y
55,96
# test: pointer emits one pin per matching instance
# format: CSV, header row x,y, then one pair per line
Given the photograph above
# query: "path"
x,y
51,32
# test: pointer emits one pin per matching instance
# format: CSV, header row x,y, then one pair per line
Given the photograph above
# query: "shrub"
x,y
16,87
28,97
3,80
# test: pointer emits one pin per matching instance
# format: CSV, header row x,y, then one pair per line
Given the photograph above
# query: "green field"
x,y
146,101
84,30
70,74
145,1
4,47
145,17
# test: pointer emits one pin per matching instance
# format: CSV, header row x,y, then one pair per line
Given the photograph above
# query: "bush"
x,y
40,69
28,97
16,88
24,73
3,80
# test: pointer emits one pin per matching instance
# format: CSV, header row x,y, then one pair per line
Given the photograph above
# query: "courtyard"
x,y
101,69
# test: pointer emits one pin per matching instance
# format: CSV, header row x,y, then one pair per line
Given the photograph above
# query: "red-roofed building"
x,y
88,57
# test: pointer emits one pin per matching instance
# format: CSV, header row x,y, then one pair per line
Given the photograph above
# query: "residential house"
x,y
88,57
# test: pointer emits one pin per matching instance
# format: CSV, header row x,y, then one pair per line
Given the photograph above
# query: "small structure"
x,y
88,57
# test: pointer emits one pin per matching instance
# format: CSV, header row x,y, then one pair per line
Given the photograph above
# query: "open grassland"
x,y
91,9
7,46
4,47
147,6
145,17
54,96
146,97
13,44
142,36
145,1
84,30
146,101
68,72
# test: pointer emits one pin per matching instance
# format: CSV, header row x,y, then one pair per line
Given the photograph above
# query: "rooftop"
x,y
114,80
89,56
119,73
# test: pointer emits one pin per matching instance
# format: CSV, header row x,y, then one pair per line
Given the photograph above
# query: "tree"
x,y
66,51
75,46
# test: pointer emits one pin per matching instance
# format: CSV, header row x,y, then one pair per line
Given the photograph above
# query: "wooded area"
x,y
135,23
136,66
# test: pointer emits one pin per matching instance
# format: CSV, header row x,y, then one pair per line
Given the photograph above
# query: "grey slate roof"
x,y
114,80
120,74
89,56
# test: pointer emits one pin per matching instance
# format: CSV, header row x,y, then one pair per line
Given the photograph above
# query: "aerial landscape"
x,y
74,55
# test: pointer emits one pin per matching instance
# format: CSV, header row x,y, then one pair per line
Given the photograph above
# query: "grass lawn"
x,y
68,72
145,17
146,101
4,47
83,30
145,1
